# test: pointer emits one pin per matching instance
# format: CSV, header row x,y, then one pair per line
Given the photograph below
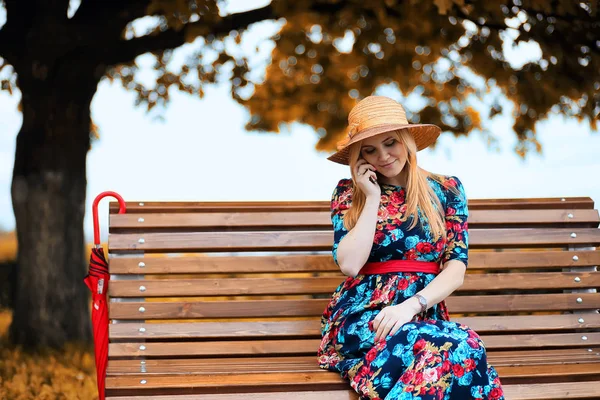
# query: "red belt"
x,y
385,267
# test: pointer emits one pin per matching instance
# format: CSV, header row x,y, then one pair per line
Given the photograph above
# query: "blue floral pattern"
x,y
428,358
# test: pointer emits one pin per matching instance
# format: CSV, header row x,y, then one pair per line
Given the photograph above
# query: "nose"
x,y
383,156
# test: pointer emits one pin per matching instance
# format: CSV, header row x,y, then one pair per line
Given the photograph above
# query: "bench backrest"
x,y
187,276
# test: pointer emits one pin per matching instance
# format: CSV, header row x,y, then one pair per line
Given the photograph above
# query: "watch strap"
x,y
422,301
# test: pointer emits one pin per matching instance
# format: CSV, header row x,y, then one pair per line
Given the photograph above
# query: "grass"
x,y
45,374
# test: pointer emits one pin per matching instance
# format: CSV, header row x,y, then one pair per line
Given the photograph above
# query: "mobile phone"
x,y
371,179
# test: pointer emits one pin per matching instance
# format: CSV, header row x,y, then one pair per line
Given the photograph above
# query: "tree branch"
x,y
6,50
16,10
497,26
99,22
117,13
13,32
50,9
127,51
585,17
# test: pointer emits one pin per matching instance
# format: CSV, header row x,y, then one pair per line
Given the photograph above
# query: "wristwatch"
x,y
422,302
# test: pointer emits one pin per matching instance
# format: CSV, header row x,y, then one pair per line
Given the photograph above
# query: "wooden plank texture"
x,y
551,355
182,366
324,285
323,240
257,206
310,346
191,264
315,307
307,380
311,328
539,391
322,219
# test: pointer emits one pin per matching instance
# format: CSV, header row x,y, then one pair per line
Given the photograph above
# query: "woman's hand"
x,y
391,318
367,179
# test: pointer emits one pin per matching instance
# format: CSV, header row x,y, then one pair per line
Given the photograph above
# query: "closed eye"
x,y
371,150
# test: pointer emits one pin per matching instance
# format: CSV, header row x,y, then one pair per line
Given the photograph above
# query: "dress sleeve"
x,y
457,227
340,203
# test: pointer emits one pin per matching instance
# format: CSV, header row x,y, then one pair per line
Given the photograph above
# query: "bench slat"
x,y
311,379
491,238
304,395
315,307
546,349
322,219
534,203
553,356
277,367
548,391
529,323
309,346
324,285
311,328
192,264
538,391
539,340
308,363
322,240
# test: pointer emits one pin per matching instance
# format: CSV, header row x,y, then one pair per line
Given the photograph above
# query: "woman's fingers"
x,y
372,177
363,167
359,166
368,169
377,325
396,327
388,322
379,321
384,328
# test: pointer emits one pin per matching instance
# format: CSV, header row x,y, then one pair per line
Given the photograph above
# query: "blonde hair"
x,y
420,196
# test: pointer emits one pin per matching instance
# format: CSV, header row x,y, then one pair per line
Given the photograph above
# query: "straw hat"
x,y
375,115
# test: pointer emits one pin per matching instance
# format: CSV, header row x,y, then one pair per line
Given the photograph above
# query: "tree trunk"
x,y
48,194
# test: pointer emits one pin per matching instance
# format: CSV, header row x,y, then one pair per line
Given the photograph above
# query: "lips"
x,y
388,165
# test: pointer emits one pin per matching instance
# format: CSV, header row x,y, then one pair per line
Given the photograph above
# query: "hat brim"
x,y
424,134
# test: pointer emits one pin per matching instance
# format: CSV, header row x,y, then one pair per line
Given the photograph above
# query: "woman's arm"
x,y
456,253
442,286
354,249
390,319
454,264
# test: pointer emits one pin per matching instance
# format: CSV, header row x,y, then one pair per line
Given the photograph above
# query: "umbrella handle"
x,y
102,195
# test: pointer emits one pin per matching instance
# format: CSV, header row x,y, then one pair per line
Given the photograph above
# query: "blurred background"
x,y
243,100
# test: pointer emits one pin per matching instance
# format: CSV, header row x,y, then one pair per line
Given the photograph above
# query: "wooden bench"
x,y
211,300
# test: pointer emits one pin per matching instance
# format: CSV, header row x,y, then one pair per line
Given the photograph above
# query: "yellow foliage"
x,y
424,49
47,375
8,247
51,375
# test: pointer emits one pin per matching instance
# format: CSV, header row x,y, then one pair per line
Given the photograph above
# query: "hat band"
x,y
374,121
357,136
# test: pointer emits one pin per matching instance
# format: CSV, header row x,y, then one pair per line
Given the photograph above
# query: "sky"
x,y
200,151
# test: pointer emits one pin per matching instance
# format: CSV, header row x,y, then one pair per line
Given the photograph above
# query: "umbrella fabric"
x,y
97,281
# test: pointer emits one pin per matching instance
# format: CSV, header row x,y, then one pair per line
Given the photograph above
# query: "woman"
x,y
401,237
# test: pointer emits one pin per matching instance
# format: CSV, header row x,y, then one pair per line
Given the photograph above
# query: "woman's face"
x,y
386,153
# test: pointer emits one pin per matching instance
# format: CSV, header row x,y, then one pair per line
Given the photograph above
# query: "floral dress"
x,y
429,357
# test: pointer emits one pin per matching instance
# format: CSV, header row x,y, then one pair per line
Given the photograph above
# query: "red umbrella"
x,y
97,281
